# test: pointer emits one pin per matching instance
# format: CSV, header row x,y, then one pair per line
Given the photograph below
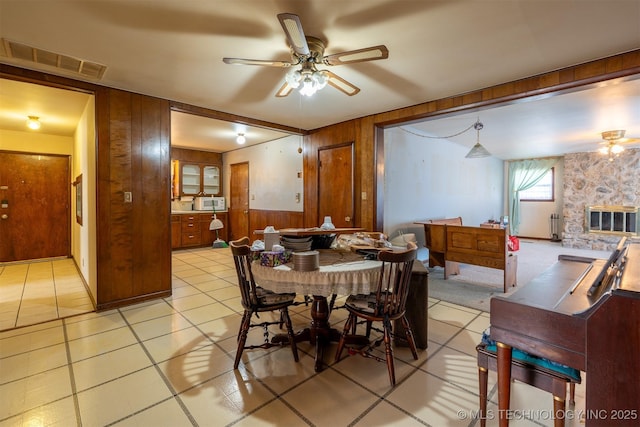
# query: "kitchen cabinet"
x,y
196,172
192,229
176,232
200,179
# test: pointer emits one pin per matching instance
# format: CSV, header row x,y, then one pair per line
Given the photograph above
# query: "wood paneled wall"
x,y
197,156
260,219
134,239
331,136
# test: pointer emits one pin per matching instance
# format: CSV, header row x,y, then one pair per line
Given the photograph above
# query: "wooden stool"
x,y
547,379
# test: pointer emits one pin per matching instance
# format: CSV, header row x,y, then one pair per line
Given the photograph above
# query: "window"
x,y
541,192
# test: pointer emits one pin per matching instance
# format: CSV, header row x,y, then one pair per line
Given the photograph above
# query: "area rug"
x,y
475,286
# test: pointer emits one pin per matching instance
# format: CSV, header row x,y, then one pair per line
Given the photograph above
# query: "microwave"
x,y
209,204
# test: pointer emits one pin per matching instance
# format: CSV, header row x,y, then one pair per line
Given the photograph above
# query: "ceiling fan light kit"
x,y
308,52
613,140
307,80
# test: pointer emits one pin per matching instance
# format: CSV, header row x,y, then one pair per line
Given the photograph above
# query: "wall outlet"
x,y
127,197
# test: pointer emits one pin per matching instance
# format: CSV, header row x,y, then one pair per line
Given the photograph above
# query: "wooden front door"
x,y
239,201
35,206
335,185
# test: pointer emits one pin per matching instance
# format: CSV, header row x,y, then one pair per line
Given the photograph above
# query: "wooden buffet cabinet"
x,y
191,229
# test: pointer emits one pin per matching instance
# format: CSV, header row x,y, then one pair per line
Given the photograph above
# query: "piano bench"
x,y
545,378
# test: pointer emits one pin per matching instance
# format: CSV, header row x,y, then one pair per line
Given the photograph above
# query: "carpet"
x,y
475,286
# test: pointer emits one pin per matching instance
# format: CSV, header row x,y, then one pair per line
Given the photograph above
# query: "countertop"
x,y
176,212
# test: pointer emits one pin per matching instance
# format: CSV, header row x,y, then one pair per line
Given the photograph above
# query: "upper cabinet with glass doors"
x,y
200,179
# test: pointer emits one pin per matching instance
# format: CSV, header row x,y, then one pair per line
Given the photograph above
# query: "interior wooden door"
x,y
35,219
239,201
335,185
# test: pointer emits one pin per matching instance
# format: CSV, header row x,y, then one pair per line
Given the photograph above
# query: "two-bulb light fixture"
x,y
308,80
240,139
33,122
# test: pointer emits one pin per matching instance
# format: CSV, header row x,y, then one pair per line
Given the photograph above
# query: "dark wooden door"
x,y
239,201
335,185
35,188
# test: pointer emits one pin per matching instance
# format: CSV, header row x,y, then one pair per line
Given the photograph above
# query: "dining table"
x,y
340,272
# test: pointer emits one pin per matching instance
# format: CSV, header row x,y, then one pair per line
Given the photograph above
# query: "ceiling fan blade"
x,y
628,140
284,90
242,61
295,35
361,55
341,84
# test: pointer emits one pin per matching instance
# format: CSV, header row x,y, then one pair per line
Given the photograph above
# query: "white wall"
x,y
535,216
428,178
32,142
83,237
273,174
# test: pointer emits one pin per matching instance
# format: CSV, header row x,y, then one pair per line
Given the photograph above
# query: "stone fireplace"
x,y
601,199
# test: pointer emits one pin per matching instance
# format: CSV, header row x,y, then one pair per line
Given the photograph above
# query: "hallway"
x,y
40,291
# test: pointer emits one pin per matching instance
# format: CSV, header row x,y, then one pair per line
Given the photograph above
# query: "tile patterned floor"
x,y
39,291
169,362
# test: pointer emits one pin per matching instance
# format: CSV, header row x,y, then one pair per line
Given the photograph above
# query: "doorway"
x,y
35,212
239,198
335,185
41,239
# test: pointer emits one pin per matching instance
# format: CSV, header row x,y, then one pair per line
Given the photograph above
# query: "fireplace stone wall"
x,y
591,179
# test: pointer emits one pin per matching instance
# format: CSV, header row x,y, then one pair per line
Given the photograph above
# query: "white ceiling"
x,y
173,49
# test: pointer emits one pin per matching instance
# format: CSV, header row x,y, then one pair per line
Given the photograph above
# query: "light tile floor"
x,y
169,362
39,291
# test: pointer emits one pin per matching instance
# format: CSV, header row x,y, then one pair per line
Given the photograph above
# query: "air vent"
x,y
31,54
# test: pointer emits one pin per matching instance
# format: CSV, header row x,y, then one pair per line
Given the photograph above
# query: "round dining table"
x,y
339,273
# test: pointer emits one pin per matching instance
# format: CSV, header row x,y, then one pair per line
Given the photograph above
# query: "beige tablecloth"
x,y
340,273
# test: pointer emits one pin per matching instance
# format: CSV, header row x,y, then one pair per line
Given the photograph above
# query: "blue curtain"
x,y
524,174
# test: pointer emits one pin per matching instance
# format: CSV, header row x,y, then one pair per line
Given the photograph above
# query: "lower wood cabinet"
x,y
176,232
192,229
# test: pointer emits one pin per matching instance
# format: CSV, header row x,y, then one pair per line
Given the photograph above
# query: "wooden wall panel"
x,y
259,219
134,238
331,136
197,156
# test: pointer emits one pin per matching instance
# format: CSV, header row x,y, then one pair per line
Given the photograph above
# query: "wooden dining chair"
x,y
257,300
386,304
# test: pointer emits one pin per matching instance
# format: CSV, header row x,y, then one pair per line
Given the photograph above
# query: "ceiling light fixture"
x,y
613,148
33,122
478,150
307,80
241,139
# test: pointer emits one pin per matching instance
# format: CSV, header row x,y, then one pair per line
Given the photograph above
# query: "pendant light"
x,y
478,150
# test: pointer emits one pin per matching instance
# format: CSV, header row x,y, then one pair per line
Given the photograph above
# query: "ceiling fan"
x,y
613,143
307,53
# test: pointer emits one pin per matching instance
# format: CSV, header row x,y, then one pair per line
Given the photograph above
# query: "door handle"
x,y
245,212
4,216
